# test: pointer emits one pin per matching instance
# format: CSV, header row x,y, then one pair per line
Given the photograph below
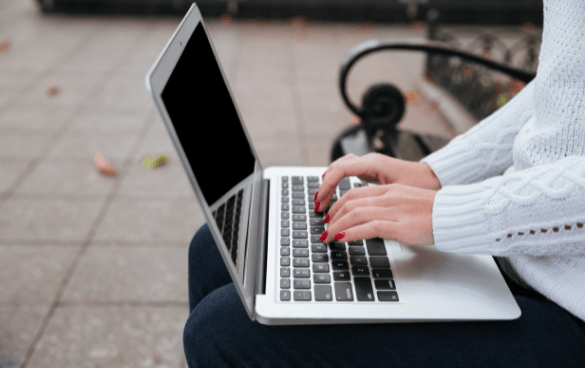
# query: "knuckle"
x,y
358,214
378,227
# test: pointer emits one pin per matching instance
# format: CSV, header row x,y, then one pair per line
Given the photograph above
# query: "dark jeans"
x,y
219,333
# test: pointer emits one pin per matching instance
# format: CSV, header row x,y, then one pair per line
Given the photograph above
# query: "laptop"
x,y
267,232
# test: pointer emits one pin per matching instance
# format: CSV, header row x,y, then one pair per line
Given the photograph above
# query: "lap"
x,y
219,333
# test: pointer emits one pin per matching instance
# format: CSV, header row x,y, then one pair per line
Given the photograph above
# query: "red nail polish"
x,y
340,236
326,219
324,174
315,199
317,206
324,236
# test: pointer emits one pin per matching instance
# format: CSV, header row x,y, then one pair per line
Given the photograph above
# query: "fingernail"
x,y
324,174
324,236
340,236
317,204
315,199
326,219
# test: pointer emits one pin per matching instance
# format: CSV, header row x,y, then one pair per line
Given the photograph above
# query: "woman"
x,y
513,187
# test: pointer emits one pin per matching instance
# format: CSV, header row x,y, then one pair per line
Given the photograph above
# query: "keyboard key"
x,y
387,296
315,239
284,200
302,284
336,246
285,261
297,217
297,180
299,209
299,243
356,242
363,289
300,252
316,222
323,293
312,206
300,234
382,273
358,261
298,195
284,295
298,188
284,207
339,265
298,202
321,267
341,275
285,215
284,185
376,247
322,278
284,241
302,273
385,284
312,179
302,295
299,226
284,272
318,248
285,192
317,230
315,215
284,251
343,292
357,251
360,271
284,223
344,184
285,283
301,262
339,256
313,185
284,179
379,262
319,257
284,232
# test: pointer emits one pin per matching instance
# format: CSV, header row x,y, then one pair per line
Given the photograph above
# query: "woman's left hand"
x,y
392,211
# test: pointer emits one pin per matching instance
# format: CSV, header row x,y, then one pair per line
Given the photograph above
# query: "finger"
x,y
323,196
368,230
358,216
355,198
353,166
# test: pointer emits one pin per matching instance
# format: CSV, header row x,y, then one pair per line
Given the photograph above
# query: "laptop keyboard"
x,y
227,218
313,271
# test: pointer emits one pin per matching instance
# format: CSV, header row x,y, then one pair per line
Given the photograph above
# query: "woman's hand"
x,y
375,168
393,211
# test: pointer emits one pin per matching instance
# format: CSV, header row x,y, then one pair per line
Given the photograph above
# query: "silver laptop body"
x,y
283,274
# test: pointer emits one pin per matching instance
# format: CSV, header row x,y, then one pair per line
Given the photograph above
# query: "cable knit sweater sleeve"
x,y
538,211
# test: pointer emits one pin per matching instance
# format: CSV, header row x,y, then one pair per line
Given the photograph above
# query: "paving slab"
x,y
47,219
110,273
32,274
112,336
18,327
151,220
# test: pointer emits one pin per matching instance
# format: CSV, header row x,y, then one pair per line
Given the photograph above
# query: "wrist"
x,y
427,178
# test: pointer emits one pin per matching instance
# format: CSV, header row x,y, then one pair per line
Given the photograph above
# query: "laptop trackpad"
x,y
426,269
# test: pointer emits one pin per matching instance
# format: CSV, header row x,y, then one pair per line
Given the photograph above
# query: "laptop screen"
x,y
205,119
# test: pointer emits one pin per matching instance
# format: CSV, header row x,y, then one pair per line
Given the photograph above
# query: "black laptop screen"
x,y
205,119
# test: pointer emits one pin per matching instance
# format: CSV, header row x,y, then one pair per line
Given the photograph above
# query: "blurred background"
x,y
93,241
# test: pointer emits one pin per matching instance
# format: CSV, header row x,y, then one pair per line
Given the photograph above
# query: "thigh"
x,y
207,271
220,334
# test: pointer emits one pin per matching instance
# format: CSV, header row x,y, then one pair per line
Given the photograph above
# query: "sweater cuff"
x,y
459,225
453,164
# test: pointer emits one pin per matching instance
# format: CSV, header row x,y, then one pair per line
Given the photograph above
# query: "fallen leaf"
x,y
104,166
150,163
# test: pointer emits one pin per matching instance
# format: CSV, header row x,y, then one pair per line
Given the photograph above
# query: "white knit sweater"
x,y
513,186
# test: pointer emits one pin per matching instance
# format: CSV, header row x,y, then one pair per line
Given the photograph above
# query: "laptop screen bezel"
x,y
156,80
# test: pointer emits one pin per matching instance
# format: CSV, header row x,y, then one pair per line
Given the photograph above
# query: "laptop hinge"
x,y
263,236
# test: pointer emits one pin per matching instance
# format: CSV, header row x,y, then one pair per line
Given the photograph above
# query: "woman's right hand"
x,y
375,168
